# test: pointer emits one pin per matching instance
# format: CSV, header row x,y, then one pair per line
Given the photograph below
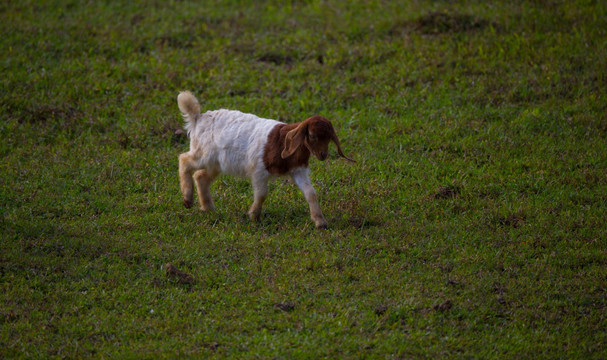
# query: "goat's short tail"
x,y
189,107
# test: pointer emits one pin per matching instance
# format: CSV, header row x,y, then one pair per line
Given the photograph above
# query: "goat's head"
x,y
315,134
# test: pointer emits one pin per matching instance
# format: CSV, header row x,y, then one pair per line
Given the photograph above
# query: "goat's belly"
x,y
235,164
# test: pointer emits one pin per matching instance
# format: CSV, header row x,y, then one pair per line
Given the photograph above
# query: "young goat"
x,y
234,143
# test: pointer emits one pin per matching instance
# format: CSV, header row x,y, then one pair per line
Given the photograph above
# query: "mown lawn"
x,y
473,223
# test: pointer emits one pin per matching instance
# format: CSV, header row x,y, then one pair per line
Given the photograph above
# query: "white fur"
x,y
230,142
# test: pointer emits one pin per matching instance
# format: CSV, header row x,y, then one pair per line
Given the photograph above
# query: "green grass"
x,y
472,224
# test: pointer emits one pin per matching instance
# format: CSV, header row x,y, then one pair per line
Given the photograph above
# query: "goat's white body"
x,y
233,143
230,142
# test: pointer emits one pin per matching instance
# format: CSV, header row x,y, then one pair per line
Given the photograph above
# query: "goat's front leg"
x,y
302,180
187,165
203,179
260,191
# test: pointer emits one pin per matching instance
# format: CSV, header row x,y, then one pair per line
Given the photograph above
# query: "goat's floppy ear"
x,y
336,141
294,139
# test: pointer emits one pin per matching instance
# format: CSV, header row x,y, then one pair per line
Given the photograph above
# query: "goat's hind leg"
x,y
260,191
203,179
187,166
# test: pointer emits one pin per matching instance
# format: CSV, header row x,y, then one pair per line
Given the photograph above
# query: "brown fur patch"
x,y
274,163
317,125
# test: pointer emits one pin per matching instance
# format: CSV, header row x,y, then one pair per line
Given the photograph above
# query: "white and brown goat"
x,y
235,143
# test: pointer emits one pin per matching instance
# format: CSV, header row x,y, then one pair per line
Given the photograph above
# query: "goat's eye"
x,y
313,138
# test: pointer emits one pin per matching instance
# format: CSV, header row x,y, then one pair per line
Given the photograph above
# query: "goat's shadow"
x,y
277,219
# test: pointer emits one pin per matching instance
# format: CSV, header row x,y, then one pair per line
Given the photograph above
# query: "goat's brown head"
x,y
315,134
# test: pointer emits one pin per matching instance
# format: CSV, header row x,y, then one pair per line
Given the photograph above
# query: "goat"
x,y
235,143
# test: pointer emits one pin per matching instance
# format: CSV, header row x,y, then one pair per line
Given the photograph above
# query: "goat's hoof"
x,y
254,217
207,208
187,203
322,226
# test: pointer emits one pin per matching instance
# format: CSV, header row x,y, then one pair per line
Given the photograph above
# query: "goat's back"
x,y
231,141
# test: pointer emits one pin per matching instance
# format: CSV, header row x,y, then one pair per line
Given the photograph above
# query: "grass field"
x,y
473,224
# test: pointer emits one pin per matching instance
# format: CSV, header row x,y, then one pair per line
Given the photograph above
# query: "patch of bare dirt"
x,y
287,306
447,192
173,273
437,22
